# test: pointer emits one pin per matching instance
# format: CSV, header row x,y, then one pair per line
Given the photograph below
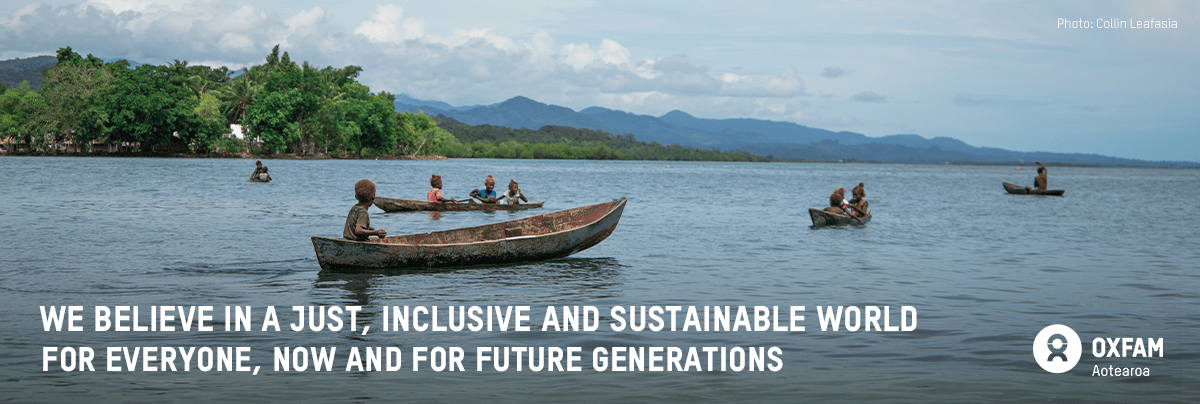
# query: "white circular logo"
x,y
1057,348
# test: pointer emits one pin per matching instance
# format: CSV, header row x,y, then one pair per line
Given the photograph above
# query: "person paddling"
x,y
435,194
489,194
1039,182
257,170
358,222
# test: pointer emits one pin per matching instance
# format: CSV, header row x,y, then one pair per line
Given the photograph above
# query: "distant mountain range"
x,y
14,71
768,138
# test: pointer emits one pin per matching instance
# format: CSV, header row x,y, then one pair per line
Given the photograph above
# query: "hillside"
x,y
780,140
14,71
564,142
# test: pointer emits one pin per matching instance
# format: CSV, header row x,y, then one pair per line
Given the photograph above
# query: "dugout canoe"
x,y
535,238
1020,190
823,218
412,205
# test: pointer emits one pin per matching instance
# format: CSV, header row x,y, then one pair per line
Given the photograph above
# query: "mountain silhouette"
x,y
763,137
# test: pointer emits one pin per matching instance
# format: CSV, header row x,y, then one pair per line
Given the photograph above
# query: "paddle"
x,y
855,218
472,198
845,213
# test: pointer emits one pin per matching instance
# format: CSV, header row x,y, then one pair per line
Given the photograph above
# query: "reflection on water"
x,y
358,286
564,279
258,267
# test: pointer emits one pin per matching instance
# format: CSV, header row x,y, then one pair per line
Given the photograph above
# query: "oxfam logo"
x,y
1057,348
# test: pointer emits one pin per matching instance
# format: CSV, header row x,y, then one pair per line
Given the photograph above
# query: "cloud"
x,y
833,72
613,53
399,54
388,25
236,42
868,96
578,56
674,74
148,32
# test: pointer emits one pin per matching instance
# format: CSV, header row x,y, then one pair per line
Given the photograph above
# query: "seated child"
x,y
489,194
838,203
435,194
858,204
257,170
514,195
358,223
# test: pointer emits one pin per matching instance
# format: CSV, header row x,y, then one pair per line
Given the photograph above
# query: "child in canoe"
x,y
514,195
838,203
260,173
435,194
859,205
358,223
1039,182
489,194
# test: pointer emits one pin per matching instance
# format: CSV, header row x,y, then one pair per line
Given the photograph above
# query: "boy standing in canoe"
x,y
358,222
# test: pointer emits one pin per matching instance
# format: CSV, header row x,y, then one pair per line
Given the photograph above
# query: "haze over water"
x,y
1115,257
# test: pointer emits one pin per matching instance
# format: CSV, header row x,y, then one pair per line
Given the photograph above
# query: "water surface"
x,y
1115,257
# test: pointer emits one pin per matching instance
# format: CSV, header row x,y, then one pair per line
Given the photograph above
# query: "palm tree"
x,y
206,78
238,94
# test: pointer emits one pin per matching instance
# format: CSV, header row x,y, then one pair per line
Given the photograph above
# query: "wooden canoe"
x,y
823,218
535,238
412,205
1020,190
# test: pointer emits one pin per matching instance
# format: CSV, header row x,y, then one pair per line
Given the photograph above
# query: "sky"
x,y
994,74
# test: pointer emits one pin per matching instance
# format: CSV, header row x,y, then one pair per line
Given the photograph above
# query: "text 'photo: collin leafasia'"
x,y
1117,23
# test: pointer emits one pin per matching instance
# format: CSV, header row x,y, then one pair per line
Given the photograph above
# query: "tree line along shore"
x,y
86,106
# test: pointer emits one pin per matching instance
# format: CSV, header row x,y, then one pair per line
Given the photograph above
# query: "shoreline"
x,y
293,156
244,155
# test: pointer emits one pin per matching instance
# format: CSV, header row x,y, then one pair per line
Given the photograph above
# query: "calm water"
x,y
986,270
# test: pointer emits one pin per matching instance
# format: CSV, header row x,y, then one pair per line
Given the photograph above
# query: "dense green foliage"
x,y
282,107
561,142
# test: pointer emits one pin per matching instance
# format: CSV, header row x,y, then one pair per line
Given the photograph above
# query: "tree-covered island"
x,y
87,106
